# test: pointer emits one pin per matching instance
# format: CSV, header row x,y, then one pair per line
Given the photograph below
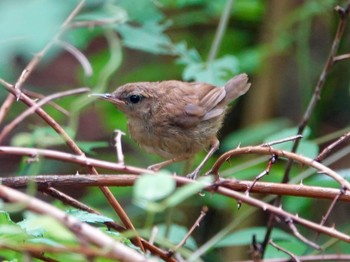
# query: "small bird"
x,y
176,119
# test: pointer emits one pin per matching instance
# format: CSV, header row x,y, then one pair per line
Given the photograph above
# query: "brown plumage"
x,y
176,119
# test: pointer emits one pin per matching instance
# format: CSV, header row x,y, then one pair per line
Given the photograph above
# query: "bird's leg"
x,y
158,166
214,145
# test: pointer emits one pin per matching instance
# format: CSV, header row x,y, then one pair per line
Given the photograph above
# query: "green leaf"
x,y
149,37
141,11
216,73
245,236
187,191
9,230
45,226
87,217
152,188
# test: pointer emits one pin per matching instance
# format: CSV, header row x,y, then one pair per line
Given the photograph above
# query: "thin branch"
x,y
279,248
84,231
343,16
70,142
5,107
341,57
282,154
71,158
118,145
297,234
123,180
328,150
194,226
78,55
7,129
220,31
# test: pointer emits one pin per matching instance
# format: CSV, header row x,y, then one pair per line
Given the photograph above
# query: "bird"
x,y
176,119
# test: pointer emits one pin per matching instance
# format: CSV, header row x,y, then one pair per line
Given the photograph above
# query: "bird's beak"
x,y
109,97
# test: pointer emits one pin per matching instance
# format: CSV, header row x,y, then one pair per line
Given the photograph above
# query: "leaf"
x,y
141,11
149,37
152,188
87,217
188,190
45,226
216,73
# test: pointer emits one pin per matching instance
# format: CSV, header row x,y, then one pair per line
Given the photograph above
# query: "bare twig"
x,y
297,234
78,159
293,257
341,57
288,139
128,180
118,145
343,16
85,231
6,106
7,129
281,154
78,55
328,150
194,226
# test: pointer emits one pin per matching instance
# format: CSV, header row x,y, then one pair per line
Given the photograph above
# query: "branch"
x,y
83,231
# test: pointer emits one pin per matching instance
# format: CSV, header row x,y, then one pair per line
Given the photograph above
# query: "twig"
x,y
194,226
78,55
297,234
282,154
343,15
220,31
5,107
70,142
86,180
341,57
283,140
15,90
85,231
7,129
78,159
32,95
294,257
328,150
118,145
272,161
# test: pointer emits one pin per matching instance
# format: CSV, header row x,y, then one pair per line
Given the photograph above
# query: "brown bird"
x,y
175,119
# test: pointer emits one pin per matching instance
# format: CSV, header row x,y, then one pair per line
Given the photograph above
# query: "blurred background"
x,y
281,45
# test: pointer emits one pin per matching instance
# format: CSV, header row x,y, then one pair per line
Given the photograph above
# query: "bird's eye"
x,y
134,99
